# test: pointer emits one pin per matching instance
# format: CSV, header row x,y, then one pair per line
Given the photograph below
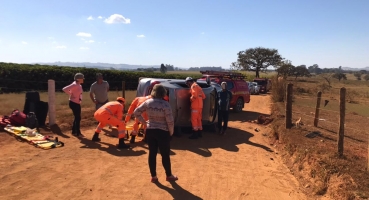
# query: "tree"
x,y
257,59
327,77
339,76
315,69
366,77
286,69
358,75
163,69
300,71
169,67
363,71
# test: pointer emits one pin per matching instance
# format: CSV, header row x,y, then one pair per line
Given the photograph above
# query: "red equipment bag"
x,y
17,118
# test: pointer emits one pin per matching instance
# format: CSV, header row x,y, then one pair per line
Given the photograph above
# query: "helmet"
x,y
79,76
188,79
121,99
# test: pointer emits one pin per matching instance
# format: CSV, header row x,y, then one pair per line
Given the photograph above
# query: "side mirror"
x,y
208,80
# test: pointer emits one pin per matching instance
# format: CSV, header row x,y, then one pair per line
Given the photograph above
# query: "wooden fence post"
x,y
51,95
123,89
341,129
317,109
289,106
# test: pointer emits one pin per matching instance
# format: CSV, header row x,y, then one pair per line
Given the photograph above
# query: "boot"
x,y
194,135
133,137
200,133
122,145
96,137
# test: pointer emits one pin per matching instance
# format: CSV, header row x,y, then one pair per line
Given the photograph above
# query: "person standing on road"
x,y
197,98
160,128
224,97
75,92
99,91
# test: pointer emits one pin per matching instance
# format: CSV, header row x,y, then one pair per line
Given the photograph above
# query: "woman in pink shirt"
x,y
75,91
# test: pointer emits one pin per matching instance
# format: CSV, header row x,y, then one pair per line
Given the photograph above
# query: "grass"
x,y
314,161
64,116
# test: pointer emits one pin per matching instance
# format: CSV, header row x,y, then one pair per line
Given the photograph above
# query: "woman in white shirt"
x,y
160,128
75,92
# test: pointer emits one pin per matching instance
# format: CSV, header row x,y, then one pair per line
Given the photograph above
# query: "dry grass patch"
x,y
314,161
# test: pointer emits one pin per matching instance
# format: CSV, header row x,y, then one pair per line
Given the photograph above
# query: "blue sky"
x,y
190,33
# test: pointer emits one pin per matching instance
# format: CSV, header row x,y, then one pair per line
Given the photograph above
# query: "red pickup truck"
x,y
236,83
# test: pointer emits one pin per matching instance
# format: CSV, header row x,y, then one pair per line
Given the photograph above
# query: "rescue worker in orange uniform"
x,y
197,98
135,103
111,113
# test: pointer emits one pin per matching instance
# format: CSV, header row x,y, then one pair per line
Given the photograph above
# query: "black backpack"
x,y
31,120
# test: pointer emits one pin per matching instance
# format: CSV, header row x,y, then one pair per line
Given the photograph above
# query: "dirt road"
x,y
240,165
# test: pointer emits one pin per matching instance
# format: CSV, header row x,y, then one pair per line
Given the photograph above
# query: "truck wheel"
x,y
239,105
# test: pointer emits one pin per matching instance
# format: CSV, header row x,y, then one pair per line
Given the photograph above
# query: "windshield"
x,y
261,82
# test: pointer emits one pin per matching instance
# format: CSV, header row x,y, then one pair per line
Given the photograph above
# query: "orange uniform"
x,y
135,103
197,97
111,113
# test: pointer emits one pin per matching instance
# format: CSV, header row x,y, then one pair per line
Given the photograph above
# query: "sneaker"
x,y
154,179
172,178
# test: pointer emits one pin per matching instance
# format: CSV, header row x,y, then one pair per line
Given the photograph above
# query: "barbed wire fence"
x,y
18,85
51,87
316,112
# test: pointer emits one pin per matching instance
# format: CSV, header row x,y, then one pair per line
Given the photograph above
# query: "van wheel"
x,y
239,105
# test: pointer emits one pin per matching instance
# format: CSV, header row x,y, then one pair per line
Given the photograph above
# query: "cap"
x,y
79,76
223,83
121,99
188,79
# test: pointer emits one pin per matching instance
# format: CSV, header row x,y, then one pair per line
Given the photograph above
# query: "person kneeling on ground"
x,y
111,113
160,128
135,103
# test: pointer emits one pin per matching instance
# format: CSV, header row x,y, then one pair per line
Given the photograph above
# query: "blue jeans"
x,y
98,105
223,117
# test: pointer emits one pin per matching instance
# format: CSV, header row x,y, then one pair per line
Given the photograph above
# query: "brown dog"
x,y
298,123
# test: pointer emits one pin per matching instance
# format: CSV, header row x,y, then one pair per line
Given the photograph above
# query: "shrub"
x,y
23,77
279,89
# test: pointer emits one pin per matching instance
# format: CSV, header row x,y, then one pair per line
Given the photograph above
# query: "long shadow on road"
x,y
178,192
209,141
111,149
227,142
199,146
244,116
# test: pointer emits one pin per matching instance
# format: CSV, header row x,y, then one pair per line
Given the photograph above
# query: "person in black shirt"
x,y
224,98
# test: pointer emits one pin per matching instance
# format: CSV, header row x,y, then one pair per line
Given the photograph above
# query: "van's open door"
x,y
183,106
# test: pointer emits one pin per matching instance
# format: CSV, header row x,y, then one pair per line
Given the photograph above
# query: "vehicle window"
x,y
261,82
230,85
